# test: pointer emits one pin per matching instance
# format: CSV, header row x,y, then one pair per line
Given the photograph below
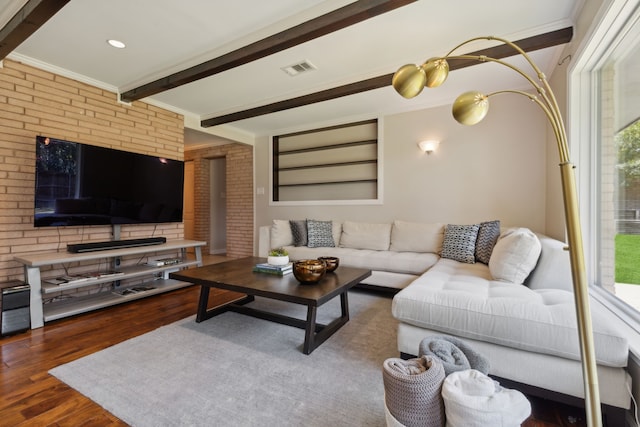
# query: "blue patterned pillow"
x,y
487,237
299,232
460,242
319,234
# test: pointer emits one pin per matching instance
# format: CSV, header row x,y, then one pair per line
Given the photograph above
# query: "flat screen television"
x,y
82,184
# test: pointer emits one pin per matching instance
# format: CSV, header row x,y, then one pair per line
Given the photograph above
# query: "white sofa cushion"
x,y
362,235
416,237
553,269
462,299
515,255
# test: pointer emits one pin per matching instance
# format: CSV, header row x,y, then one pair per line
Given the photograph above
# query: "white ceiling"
x,y
165,36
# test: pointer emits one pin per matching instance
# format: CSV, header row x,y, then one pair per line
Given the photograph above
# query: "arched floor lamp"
x,y
470,108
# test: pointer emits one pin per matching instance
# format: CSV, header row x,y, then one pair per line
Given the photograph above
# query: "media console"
x,y
152,279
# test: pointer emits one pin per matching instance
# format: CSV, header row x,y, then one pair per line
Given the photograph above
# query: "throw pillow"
x,y
361,235
487,237
281,234
515,255
299,232
460,242
319,234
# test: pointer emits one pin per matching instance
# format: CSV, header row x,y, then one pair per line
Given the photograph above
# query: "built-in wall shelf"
x,y
332,163
66,298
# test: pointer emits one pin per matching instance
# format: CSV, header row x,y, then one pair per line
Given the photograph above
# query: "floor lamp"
x,y
469,109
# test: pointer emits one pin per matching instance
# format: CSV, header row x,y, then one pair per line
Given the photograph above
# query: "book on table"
x,y
280,270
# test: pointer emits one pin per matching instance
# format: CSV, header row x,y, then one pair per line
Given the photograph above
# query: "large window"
x,y
615,148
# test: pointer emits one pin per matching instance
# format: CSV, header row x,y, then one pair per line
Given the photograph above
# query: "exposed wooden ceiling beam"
x,y
333,21
24,23
312,98
529,44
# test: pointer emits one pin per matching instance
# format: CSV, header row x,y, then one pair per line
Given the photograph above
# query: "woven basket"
x,y
412,391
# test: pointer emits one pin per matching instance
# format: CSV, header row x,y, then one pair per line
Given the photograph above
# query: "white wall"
x,y
494,170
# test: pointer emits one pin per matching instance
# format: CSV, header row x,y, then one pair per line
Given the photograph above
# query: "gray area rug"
x,y
235,370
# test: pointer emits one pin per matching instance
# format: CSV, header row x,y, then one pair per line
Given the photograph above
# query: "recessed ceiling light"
x,y
116,43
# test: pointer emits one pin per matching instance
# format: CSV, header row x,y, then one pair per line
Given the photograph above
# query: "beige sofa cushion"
x,y
362,235
416,237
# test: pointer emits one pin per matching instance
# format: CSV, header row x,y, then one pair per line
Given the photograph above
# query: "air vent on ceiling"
x,y
299,68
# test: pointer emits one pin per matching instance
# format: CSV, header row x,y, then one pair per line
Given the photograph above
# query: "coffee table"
x,y
237,276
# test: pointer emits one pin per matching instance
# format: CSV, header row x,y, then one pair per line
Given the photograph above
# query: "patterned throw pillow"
x,y
487,238
460,242
319,234
299,231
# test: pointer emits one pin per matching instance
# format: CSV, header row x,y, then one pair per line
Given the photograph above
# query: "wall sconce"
x,y
428,146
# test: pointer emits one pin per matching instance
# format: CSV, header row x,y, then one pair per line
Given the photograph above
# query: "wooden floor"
x,y
29,396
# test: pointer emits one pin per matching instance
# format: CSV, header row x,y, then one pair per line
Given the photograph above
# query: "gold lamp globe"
x,y
409,80
470,107
436,70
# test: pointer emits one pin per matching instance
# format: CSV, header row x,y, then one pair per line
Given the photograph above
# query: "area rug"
x,y
235,370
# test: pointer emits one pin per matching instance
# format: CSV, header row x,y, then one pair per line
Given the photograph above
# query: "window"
x,y
336,164
614,155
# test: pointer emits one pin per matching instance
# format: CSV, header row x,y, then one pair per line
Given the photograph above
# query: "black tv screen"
x,y
81,184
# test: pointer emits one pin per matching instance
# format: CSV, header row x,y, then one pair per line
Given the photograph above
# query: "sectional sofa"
x,y
507,292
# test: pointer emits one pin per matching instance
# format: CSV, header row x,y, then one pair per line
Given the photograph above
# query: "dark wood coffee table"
x,y
237,276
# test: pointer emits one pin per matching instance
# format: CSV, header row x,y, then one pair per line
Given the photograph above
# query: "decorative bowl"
x,y
309,270
331,262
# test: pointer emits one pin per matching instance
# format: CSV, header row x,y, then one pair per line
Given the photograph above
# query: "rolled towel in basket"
x,y
455,354
413,391
472,399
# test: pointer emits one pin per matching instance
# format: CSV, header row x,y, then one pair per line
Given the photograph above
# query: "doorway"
x,y
218,206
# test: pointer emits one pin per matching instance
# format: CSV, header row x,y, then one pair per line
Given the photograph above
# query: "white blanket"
x,y
472,399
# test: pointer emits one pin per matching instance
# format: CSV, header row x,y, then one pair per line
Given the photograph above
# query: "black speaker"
x,y
15,313
114,244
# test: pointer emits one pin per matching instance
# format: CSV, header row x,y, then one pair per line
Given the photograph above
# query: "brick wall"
x,y
239,177
35,102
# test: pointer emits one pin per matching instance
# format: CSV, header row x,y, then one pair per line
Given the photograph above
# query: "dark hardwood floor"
x,y
29,396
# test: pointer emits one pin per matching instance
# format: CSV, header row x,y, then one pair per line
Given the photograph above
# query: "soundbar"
x,y
114,244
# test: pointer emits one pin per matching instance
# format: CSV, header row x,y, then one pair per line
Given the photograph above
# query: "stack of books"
x,y
279,270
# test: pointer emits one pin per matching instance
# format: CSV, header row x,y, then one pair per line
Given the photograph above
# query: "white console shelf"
x,y
41,312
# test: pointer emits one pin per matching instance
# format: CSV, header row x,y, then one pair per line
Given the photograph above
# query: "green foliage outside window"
x,y
627,248
628,145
